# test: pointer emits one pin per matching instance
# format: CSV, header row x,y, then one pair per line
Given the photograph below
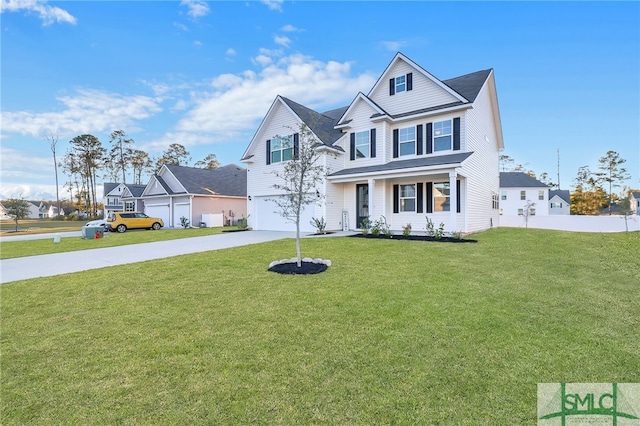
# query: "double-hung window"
x,y
523,195
407,140
540,195
363,144
281,149
408,198
441,196
401,84
442,135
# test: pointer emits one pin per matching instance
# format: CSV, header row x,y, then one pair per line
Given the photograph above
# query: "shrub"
x,y
184,222
319,224
406,230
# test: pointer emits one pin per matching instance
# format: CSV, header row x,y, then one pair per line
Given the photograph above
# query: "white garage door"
x,y
180,210
158,210
268,217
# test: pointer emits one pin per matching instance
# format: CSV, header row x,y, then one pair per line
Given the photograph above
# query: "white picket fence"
x,y
575,223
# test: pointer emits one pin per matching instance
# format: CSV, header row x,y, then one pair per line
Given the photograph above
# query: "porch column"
x,y
371,183
453,197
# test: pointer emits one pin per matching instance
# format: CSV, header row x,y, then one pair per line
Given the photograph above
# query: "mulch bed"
x,y
415,238
306,268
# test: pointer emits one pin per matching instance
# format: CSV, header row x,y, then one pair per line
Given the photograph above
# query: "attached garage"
x,y
181,210
268,217
159,210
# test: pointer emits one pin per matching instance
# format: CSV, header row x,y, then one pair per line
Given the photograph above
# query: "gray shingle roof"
x,y
468,85
519,180
322,125
562,193
636,194
230,180
407,164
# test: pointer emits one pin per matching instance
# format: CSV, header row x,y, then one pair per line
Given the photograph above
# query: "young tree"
x,y
176,154
612,172
121,152
528,211
300,178
18,208
210,162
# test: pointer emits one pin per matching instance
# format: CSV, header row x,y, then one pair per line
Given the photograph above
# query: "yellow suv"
x,y
121,221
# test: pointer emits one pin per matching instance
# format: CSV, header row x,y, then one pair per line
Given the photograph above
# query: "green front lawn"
x,y
394,332
13,249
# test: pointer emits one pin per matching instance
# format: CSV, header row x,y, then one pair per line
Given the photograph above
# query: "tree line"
x,y
593,190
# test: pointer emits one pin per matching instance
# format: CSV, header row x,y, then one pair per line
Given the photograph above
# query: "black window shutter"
x,y
456,134
396,199
395,143
352,148
429,197
296,145
373,143
419,198
409,81
268,151
429,138
392,87
419,139
458,196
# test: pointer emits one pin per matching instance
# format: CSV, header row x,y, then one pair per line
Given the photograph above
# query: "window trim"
x,y
360,143
406,142
401,205
275,141
435,197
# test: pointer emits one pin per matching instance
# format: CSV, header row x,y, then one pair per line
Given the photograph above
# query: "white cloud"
x,y
88,111
237,103
197,8
27,165
282,40
181,27
289,28
393,46
273,4
197,43
230,52
48,14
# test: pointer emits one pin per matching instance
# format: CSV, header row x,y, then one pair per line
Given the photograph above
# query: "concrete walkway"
x,y
47,265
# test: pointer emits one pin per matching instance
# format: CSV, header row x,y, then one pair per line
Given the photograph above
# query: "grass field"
x,y
394,332
13,249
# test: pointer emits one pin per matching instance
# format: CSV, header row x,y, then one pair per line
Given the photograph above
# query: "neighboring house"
x,y
559,202
177,191
51,211
634,202
114,194
413,147
3,213
517,189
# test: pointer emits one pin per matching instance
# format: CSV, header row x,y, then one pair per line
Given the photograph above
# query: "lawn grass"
x,y
394,332
14,249
30,226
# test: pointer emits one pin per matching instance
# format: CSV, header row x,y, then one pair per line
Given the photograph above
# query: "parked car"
x,y
99,222
121,221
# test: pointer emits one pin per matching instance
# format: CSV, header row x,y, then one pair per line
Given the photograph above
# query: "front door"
x,y
362,203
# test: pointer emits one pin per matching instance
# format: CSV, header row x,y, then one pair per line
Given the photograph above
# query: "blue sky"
x,y
203,74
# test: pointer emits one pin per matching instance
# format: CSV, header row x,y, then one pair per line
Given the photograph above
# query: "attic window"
x,y
400,84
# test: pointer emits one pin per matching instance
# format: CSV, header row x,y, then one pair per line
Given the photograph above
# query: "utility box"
x,y
92,232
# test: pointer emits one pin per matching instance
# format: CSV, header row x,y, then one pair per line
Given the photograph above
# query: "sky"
x,y
204,74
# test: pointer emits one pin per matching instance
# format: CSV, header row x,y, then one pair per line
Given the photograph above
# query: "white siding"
x,y
425,93
482,168
514,201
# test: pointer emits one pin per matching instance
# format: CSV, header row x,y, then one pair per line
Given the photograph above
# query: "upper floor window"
x,y
363,144
407,140
540,195
281,149
503,195
523,195
408,198
401,84
442,135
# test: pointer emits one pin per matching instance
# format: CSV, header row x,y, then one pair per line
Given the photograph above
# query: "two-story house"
x,y
517,190
414,147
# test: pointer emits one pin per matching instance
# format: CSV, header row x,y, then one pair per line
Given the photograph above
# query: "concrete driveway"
x,y
47,265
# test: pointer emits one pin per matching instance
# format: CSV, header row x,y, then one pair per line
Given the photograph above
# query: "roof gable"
x,y
563,194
